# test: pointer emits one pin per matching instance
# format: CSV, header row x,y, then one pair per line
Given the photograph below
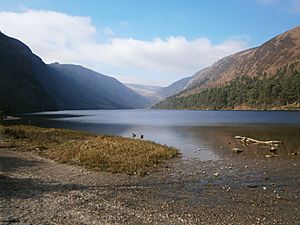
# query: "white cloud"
x,y
72,39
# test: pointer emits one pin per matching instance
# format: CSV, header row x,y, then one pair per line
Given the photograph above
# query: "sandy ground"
x,y
34,190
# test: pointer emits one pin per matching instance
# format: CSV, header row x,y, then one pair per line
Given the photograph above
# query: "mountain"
x,y
156,93
29,85
82,88
173,88
23,78
219,86
146,90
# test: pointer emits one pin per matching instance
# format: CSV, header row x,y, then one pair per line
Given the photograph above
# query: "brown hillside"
x,y
267,58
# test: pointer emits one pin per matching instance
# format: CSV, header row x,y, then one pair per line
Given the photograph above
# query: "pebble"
x,y
237,150
216,174
108,200
278,196
9,219
273,149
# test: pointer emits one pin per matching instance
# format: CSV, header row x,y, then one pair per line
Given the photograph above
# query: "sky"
x,y
152,42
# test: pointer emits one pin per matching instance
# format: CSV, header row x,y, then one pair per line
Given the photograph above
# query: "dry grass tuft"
x,y
105,153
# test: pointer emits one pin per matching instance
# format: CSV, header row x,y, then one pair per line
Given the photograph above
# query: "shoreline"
x,y
106,153
40,191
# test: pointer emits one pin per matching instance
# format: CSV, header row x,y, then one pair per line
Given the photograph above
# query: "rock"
x,y
294,153
270,155
2,175
273,149
216,174
278,196
237,150
252,185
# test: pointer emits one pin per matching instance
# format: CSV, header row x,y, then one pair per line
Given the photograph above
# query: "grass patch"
x,y
105,153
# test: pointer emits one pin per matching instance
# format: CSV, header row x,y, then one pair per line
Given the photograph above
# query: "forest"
x,y
262,91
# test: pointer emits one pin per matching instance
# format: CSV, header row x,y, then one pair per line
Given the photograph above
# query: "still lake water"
x,y
206,135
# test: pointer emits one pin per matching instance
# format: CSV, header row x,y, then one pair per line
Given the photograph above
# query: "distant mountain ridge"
x,y
29,85
173,88
146,90
271,58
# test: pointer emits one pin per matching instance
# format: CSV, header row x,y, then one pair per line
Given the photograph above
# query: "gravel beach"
x,y
34,190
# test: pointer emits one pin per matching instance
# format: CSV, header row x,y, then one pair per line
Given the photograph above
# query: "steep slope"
x,y
173,88
267,58
29,85
87,89
23,76
277,56
146,90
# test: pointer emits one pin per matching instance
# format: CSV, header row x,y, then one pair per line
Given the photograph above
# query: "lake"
x,y
205,135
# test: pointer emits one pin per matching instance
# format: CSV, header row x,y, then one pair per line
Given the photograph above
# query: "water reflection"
x,y
198,134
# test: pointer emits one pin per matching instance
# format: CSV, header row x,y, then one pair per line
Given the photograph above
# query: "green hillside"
x,y
282,90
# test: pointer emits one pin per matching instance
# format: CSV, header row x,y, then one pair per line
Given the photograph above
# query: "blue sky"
x,y
145,41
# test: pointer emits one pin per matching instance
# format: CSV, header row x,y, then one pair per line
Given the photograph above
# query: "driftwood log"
x,y
248,141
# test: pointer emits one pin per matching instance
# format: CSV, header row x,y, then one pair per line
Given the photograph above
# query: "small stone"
x,y
264,188
278,196
216,174
270,155
273,149
2,175
237,150
294,153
